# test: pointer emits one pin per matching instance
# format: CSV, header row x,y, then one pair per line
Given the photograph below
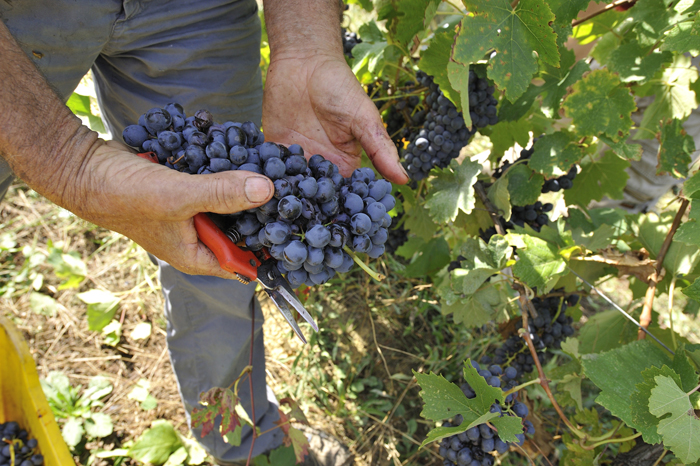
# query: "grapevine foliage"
x,y
526,223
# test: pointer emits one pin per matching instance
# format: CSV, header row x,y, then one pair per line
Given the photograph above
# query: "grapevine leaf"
x,y
515,35
566,11
432,256
599,104
627,363
683,367
605,331
486,395
538,262
644,421
434,61
681,430
684,38
554,154
459,79
418,221
299,442
508,427
217,401
694,8
693,291
482,261
633,62
622,149
371,33
602,177
692,185
453,191
556,84
650,19
411,18
524,185
410,247
505,134
430,11
689,233
500,197
442,432
651,230
513,111
675,149
674,98
477,309
571,384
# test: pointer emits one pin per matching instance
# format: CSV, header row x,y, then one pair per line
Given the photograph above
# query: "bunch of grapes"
x,y
350,40
444,132
14,438
314,213
475,446
547,331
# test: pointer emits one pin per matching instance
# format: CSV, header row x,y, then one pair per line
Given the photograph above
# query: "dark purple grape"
x,y
238,155
318,236
135,135
274,168
360,224
295,252
251,167
289,207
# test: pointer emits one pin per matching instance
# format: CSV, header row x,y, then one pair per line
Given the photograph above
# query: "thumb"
x,y
369,130
226,192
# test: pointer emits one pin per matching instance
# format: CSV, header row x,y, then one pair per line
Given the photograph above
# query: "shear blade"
x,y
282,306
296,304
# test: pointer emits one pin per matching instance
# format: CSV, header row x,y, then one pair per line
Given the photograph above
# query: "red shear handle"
x,y
231,258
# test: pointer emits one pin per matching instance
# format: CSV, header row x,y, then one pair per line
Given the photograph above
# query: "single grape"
x,y
318,236
274,168
251,167
360,224
238,155
135,135
308,188
277,232
295,252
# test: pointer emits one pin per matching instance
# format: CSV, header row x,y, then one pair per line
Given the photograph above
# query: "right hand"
x,y
154,205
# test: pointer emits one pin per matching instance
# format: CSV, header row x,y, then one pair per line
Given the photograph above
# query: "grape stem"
x,y
615,440
521,386
377,276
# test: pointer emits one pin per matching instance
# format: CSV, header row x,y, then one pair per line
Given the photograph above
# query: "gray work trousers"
x,y
144,54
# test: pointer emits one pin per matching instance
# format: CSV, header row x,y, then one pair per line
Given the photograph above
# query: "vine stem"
x,y
607,8
657,462
645,318
521,386
543,379
250,383
615,440
693,390
376,275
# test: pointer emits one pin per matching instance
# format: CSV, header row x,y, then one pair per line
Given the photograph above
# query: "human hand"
x,y
316,102
154,205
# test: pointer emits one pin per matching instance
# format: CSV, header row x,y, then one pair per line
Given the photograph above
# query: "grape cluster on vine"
x,y
350,40
444,133
314,212
18,446
475,446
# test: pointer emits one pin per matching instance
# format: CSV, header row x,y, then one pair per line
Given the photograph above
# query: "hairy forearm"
x,y
303,28
42,141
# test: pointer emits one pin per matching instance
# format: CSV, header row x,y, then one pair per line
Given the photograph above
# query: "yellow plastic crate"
x,y
23,400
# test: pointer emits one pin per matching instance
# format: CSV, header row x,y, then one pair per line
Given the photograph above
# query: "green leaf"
x,y
453,191
419,222
566,11
519,36
102,305
434,61
554,154
80,105
411,16
634,62
488,304
410,247
600,104
281,456
675,149
508,427
651,230
644,421
72,431
524,185
156,444
693,291
500,197
482,261
505,134
177,458
459,79
571,384
683,367
112,333
98,425
140,393
432,256
598,177
622,149
674,98
538,262
42,304
681,430
650,18
557,82
692,185
684,38
627,363
605,331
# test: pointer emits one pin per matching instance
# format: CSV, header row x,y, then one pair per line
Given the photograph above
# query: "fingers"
x,y
225,193
369,130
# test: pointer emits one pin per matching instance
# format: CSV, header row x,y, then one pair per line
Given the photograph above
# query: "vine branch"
x,y
605,9
645,318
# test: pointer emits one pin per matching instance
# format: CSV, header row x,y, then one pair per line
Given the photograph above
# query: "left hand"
x,y
318,103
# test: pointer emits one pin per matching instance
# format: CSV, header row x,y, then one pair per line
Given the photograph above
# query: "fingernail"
x,y
257,188
403,170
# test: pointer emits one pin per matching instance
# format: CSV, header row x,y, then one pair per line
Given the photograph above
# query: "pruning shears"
x,y
248,265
